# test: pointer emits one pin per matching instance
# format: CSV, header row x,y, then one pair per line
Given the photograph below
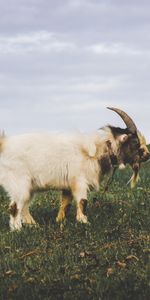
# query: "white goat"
x,y
71,163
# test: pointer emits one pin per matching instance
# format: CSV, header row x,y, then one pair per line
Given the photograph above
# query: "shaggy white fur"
x,y
32,162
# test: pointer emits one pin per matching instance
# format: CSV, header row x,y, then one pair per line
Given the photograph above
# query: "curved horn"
x,y
127,120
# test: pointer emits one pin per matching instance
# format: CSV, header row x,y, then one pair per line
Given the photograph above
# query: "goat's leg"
x,y
15,209
19,193
65,205
26,216
80,195
81,211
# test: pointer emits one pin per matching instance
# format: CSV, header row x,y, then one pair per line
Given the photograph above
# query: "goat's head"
x,y
132,144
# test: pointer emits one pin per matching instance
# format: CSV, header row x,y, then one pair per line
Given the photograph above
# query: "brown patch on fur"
x,y
66,199
67,209
105,164
66,194
83,205
13,209
65,205
112,156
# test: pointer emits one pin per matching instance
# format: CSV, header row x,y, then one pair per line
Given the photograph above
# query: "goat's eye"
x,y
141,151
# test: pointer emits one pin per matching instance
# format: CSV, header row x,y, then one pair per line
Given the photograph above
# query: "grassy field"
x,y
107,259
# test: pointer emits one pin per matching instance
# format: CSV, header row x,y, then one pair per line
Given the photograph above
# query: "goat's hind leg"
x,y
65,205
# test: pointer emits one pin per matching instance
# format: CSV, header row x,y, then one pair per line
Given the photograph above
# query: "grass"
x,y
106,260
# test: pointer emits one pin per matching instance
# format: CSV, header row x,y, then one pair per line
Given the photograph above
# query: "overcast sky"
x,y
62,62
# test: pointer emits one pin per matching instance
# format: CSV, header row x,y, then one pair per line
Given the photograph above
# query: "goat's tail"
x,y
2,137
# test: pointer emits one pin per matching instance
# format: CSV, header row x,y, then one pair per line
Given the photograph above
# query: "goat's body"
x,y
47,161
33,162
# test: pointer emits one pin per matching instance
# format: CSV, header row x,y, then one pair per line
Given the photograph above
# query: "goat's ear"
x,y
92,150
123,138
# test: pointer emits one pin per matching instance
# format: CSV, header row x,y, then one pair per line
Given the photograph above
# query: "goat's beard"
x,y
135,176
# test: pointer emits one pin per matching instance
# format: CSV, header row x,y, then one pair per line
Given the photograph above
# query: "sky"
x,y
63,62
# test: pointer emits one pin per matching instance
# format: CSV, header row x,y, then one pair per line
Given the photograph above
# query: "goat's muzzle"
x,y
144,154
145,157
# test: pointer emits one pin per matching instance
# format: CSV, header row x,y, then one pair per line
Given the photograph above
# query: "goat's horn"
x,y
127,120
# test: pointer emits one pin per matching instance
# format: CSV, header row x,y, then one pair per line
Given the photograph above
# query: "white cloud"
x,y
113,48
48,42
38,41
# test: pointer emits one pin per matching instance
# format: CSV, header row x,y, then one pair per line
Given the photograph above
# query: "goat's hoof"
x,y
82,219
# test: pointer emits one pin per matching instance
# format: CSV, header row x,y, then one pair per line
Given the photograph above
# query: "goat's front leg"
x,y
15,210
80,195
26,216
81,211
19,195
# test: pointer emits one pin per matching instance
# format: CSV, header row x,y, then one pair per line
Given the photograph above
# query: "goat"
x,y
72,163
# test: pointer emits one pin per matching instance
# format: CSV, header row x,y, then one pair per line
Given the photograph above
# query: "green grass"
x,y
108,259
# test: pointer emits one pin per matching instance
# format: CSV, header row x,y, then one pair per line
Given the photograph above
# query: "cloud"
x,y
47,42
38,41
113,48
